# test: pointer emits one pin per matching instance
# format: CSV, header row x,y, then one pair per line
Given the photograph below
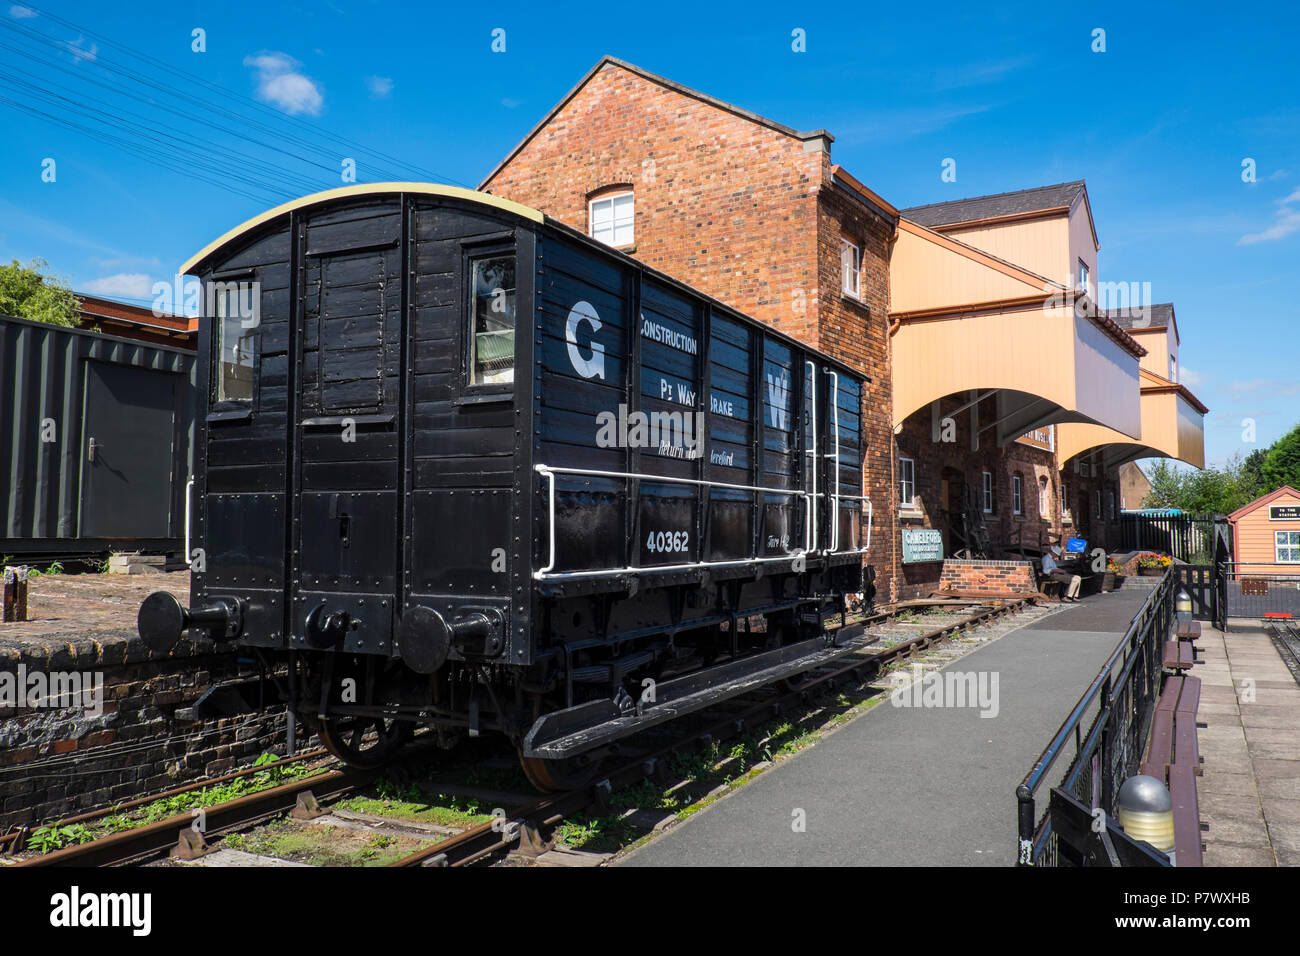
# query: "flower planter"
x,y
1150,572
1110,581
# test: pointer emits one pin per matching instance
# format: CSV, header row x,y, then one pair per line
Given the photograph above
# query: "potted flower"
x,y
1152,565
1113,576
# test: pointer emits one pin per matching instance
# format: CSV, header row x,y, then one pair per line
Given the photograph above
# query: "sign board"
x,y
921,545
1039,438
1076,545
1284,512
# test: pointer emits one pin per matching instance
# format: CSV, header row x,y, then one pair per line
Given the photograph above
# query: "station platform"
x,y
909,786
1250,792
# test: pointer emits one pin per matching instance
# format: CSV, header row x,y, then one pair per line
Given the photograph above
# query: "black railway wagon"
x,y
462,466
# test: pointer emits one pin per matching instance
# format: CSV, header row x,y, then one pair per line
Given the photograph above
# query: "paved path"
x,y
914,786
1250,793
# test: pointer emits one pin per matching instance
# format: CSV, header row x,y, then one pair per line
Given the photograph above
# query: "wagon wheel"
x,y
363,742
558,776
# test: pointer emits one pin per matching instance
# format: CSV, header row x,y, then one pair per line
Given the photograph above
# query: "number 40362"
x,y
668,542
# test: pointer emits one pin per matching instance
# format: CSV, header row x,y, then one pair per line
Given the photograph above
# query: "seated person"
x,y
1052,570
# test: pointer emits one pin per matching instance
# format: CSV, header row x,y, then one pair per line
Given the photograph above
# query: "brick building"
x,y
962,437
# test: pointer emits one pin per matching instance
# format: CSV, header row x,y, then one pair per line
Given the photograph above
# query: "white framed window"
x,y
906,484
237,341
1112,506
1044,506
1286,546
492,320
850,268
1083,276
1173,368
1017,494
612,218
987,490
1065,500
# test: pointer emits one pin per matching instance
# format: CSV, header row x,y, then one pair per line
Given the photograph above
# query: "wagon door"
x,y
345,536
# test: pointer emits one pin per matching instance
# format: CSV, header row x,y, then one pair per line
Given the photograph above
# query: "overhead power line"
x,y
259,152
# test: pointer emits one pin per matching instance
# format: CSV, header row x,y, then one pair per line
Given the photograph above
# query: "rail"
x,y
549,472
1107,750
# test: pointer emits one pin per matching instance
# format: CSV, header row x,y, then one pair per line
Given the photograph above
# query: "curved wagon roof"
x,y
347,192
506,205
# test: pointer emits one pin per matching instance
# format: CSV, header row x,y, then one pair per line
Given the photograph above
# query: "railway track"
x,y
1285,636
524,825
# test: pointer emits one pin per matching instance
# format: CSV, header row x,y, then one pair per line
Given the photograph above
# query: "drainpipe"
x,y
895,568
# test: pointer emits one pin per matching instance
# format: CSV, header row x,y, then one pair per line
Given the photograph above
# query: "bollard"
x,y
15,600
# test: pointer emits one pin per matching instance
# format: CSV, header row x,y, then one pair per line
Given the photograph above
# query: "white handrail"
x,y
597,473
550,476
189,490
550,472
810,532
835,476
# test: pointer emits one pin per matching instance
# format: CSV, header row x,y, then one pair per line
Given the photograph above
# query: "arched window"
x,y
1044,504
1017,494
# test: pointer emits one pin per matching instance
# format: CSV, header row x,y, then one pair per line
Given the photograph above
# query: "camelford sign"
x,y
922,544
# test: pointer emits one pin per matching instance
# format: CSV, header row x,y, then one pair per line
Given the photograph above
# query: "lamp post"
x,y
1146,812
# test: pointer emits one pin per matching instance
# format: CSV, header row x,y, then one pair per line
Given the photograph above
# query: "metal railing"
x,y
1184,536
549,472
1104,735
1260,590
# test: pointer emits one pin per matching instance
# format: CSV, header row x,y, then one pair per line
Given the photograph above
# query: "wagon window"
x,y
492,322
236,343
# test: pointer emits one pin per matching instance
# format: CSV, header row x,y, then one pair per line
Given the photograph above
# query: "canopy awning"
x,y
1173,426
966,321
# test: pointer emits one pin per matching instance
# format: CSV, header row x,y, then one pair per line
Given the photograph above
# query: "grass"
x,y
467,814
324,845
55,837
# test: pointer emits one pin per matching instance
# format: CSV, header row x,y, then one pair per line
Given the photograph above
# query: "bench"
x,y
1189,630
1173,757
1179,655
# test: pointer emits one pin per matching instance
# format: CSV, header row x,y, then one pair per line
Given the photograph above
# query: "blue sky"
x,y
1159,125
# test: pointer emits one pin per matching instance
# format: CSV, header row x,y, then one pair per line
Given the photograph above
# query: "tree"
x,y
1253,467
26,293
1207,491
1282,463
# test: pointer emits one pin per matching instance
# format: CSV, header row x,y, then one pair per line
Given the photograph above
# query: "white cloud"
x,y
21,13
124,285
280,83
379,86
79,52
1191,378
1272,385
1287,222
905,123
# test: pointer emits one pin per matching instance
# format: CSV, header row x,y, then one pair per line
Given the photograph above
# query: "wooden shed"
x,y
1266,533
